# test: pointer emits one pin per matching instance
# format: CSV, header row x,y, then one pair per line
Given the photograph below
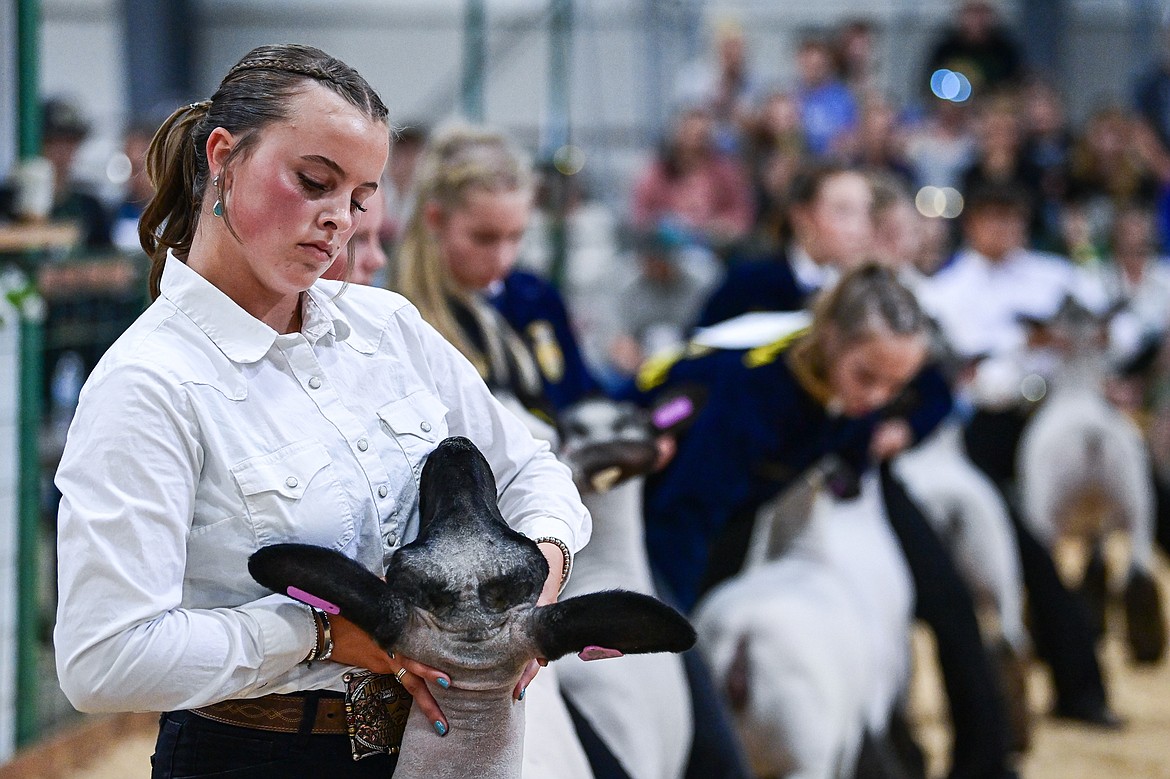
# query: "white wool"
x,y
969,515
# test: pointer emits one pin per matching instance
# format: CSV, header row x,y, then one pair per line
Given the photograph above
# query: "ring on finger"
x,y
401,673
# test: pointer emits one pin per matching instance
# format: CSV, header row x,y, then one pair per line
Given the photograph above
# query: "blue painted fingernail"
x,y
442,682
440,728
522,694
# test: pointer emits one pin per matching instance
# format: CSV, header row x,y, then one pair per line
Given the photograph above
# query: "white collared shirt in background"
x,y
203,435
976,301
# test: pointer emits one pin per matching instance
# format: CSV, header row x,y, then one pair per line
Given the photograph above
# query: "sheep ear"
x,y
330,581
605,623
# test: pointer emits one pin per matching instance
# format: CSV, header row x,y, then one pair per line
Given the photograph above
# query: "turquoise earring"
x,y
217,209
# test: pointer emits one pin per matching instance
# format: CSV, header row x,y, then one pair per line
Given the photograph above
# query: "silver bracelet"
x,y
316,637
327,647
567,566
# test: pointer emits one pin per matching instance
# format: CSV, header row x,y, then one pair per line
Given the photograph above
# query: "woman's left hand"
x,y
548,595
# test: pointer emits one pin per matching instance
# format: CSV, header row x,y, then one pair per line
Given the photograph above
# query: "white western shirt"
x,y
976,301
203,435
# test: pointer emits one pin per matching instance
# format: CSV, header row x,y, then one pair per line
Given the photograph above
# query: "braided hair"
x,y
869,300
253,95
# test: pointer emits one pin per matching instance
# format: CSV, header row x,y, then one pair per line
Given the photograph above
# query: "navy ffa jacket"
x,y
755,285
535,310
762,423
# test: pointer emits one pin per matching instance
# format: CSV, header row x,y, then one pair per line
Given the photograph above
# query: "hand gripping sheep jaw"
x,y
462,598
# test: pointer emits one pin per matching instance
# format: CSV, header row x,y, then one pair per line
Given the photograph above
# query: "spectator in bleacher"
x,y
979,46
828,109
878,143
722,84
1112,163
63,130
775,152
1048,141
942,145
1151,91
999,156
856,54
694,187
655,306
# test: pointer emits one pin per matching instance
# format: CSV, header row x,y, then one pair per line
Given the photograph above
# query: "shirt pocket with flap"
x,y
293,494
417,423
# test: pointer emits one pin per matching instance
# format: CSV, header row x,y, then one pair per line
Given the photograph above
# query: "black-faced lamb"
x,y
462,598
640,706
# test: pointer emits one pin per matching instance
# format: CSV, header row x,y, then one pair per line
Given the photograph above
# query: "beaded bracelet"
x,y
567,565
316,637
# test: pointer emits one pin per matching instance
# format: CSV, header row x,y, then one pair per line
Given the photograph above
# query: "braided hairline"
x,y
273,63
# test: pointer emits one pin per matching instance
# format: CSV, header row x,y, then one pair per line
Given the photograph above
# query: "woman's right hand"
x,y
353,646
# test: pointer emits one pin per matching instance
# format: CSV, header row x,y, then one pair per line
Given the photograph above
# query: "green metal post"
x,y
28,108
558,133
28,615
28,22
474,59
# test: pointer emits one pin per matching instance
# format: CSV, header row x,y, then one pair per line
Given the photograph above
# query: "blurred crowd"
x,y
728,183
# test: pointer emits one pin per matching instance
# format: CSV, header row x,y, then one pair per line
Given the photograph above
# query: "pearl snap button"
x,y
291,482
315,383
382,491
426,427
362,445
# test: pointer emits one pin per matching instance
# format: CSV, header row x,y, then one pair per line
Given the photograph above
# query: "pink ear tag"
x,y
312,600
598,653
673,411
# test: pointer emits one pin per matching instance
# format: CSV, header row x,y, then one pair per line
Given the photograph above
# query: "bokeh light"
x,y
118,168
950,85
1033,387
945,202
569,159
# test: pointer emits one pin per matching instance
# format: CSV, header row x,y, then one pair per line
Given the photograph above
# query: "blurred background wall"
x,y
119,58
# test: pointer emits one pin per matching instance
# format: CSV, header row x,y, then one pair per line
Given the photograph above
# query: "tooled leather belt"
x,y
280,714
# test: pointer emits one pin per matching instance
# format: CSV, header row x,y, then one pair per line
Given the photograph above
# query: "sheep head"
x,y
605,443
462,596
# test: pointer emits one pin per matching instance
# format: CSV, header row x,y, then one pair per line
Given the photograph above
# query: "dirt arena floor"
x,y
1060,751
1141,696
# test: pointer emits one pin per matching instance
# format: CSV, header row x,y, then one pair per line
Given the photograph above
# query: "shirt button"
x,y
426,427
362,445
291,482
391,539
382,491
315,383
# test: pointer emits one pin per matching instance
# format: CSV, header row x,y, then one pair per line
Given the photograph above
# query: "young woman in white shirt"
x,y
252,404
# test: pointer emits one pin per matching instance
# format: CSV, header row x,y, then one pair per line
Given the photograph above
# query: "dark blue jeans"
x,y
193,747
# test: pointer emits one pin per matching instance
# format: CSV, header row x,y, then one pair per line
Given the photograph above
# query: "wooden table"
x,y
36,236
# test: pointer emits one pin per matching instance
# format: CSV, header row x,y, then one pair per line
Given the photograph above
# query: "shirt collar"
x,y
1011,258
810,274
240,336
